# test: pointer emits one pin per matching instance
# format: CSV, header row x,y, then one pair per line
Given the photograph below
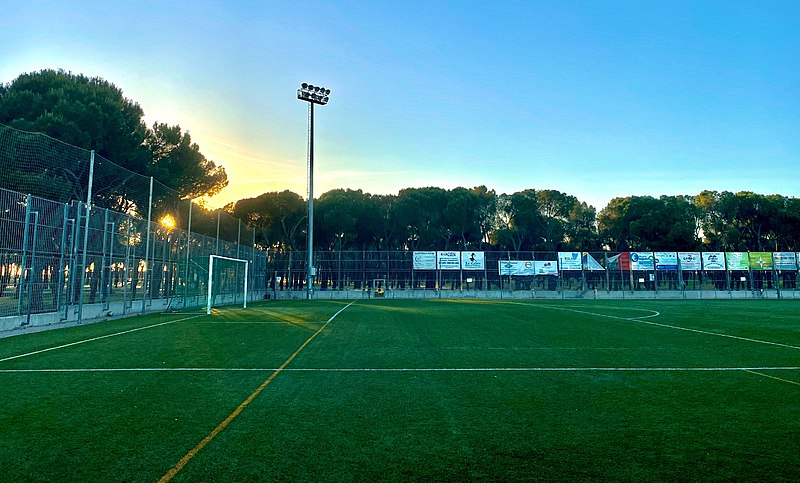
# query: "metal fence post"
x,y
86,235
61,274
188,259
146,274
23,269
32,268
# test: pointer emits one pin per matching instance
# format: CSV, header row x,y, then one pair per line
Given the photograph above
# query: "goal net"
x,y
227,282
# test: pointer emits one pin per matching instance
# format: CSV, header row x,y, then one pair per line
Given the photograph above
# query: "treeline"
x,y
541,220
93,114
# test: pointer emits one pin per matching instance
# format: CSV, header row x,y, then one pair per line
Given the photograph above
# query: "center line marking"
x,y
213,434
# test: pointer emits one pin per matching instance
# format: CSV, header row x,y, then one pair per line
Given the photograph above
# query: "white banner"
x,y
666,260
424,260
785,260
527,268
473,261
642,261
690,260
713,260
546,268
517,267
569,260
448,260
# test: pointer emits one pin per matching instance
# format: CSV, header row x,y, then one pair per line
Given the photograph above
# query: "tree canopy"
x,y
540,220
93,114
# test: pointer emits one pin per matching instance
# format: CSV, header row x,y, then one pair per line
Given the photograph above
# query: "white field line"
x,y
753,371
638,319
98,338
414,369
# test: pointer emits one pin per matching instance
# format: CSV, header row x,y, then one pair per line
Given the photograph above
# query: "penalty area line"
x,y
98,338
667,326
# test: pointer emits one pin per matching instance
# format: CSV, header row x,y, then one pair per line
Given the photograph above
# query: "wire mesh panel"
x,y
138,244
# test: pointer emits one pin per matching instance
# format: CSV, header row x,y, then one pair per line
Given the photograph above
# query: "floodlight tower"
x,y
313,95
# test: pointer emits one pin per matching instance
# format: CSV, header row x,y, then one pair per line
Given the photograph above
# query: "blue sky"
x,y
594,98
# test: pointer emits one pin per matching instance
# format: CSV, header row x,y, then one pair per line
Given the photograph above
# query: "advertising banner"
x,y
713,261
666,260
546,268
473,261
569,260
448,260
690,260
761,261
528,268
642,261
621,261
737,260
424,260
589,263
517,267
785,260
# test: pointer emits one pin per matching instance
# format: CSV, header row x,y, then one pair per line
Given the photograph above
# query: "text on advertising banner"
x,y
713,261
448,260
690,260
473,261
642,261
424,260
569,260
737,260
666,260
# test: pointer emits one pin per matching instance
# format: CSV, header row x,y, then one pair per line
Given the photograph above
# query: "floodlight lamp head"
x,y
314,94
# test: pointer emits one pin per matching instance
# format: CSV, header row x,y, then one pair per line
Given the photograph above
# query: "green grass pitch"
x,y
428,390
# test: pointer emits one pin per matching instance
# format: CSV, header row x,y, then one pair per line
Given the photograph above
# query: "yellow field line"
x,y
193,452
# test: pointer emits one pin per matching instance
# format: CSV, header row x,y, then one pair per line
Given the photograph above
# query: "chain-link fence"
x,y
136,247
536,275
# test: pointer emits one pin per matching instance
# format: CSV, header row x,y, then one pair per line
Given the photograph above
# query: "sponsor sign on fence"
x,y
713,261
448,260
666,260
761,261
642,261
785,260
528,268
473,260
690,260
737,260
424,260
517,267
569,260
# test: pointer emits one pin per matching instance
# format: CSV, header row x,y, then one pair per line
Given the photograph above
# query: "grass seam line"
x,y
98,338
771,377
221,426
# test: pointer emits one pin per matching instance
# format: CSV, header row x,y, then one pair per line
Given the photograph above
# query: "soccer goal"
x,y
227,282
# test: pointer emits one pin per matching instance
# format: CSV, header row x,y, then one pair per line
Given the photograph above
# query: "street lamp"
x,y
313,95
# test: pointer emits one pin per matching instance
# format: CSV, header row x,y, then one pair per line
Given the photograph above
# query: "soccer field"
x,y
410,390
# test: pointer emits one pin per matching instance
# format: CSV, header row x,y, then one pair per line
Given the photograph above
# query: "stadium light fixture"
x,y
313,95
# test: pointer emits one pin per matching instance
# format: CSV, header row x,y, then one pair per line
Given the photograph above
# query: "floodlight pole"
x,y
310,267
312,95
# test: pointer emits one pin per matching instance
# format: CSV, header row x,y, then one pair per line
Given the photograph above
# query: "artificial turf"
x,y
412,390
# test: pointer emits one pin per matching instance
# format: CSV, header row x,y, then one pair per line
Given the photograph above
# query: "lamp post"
x,y
313,95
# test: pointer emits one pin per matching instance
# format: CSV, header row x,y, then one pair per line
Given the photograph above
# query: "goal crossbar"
x,y
211,278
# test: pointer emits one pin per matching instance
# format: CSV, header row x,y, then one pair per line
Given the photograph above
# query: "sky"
x,y
598,99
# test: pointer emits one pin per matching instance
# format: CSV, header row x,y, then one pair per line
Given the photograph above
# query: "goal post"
x,y
224,275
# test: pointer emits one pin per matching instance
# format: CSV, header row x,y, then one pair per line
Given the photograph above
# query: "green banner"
x,y
737,260
761,261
